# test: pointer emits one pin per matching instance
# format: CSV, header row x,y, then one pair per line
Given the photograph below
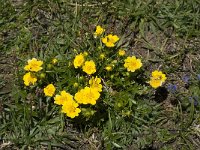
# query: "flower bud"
x,y
102,56
108,68
119,105
92,112
127,74
126,113
121,52
69,64
75,50
75,85
100,47
33,107
54,61
49,66
81,78
112,76
85,53
87,112
114,61
42,75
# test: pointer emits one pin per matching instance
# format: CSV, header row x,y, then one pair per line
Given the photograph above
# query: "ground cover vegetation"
x,y
89,74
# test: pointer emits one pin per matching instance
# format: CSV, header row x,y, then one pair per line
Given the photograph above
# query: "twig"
x,y
85,5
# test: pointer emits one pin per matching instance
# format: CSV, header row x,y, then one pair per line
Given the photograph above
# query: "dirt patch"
x,y
6,73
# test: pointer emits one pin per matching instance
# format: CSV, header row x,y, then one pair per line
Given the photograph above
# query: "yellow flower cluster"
x,y
89,95
92,92
88,67
157,79
34,65
132,64
110,40
69,106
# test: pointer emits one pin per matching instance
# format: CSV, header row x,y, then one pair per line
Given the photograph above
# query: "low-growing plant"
x,y
93,84
86,78
103,88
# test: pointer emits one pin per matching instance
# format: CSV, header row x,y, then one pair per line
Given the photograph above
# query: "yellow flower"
x,y
49,90
110,40
79,97
159,75
99,31
91,95
87,96
62,98
157,79
132,64
113,38
33,65
70,108
54,61
108,68
107,43
79,60
155,83
89,67
121,52
29,79
95,83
